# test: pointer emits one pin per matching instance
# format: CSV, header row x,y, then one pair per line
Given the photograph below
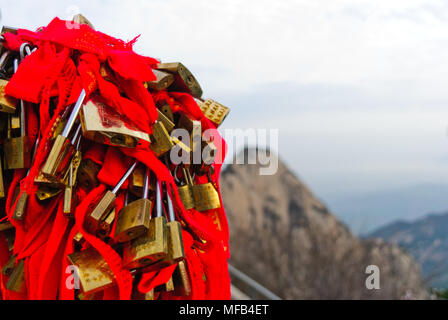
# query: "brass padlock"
x,y
62,150
214,111
195,130
105,205
103,124
92,271
87,175
185,189
17,149
163,80
16,281
166,110
106,225
137,181
184,81
8,104
161,140
205,196
175,242
79,18
8,267
72,174
133,220
151,247
20,208
182,282
167,123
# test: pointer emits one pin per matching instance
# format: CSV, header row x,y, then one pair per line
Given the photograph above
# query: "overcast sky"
x,y
357,88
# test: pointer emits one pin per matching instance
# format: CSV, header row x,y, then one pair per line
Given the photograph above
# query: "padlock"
x,y
8,267
166,110
87,175
17,149
8,104
214,111
208,152
205,196
103,124
175,242
151,247
167,123
184,81
137,180
105,205
181,278
185,189
92,271
62,150
163,80
106,225
194,129
161,141
20,208
133,220
79,18
72,174
16,281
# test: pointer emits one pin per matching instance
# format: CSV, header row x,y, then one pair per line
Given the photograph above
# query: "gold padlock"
x,y
16,281
167,123
184,81
163,80
106,225
103,124
185,189
92,271
105,205
133,220
161,140
71,175
214,111
62,150
137,181
175,242
87,175
166,110
182,282
79,18
8,267
205,196
151,247
8,104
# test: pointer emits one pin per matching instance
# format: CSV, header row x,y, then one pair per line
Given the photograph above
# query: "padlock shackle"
x,y
75,136
170,207
124,177
22,105
74,114
158,200
146,184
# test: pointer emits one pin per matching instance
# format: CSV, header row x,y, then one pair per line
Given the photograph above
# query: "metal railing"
x,y
246,288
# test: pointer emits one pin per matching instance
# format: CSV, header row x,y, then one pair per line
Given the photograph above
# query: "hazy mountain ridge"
x,y
288,240
426,240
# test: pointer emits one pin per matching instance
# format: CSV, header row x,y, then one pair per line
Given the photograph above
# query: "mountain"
x,y
285,238
426,240
366,212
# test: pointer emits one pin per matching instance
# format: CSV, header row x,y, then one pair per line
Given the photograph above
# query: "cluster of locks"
x,y
145,231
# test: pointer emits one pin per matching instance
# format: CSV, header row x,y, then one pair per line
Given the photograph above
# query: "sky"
x,y
356,88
